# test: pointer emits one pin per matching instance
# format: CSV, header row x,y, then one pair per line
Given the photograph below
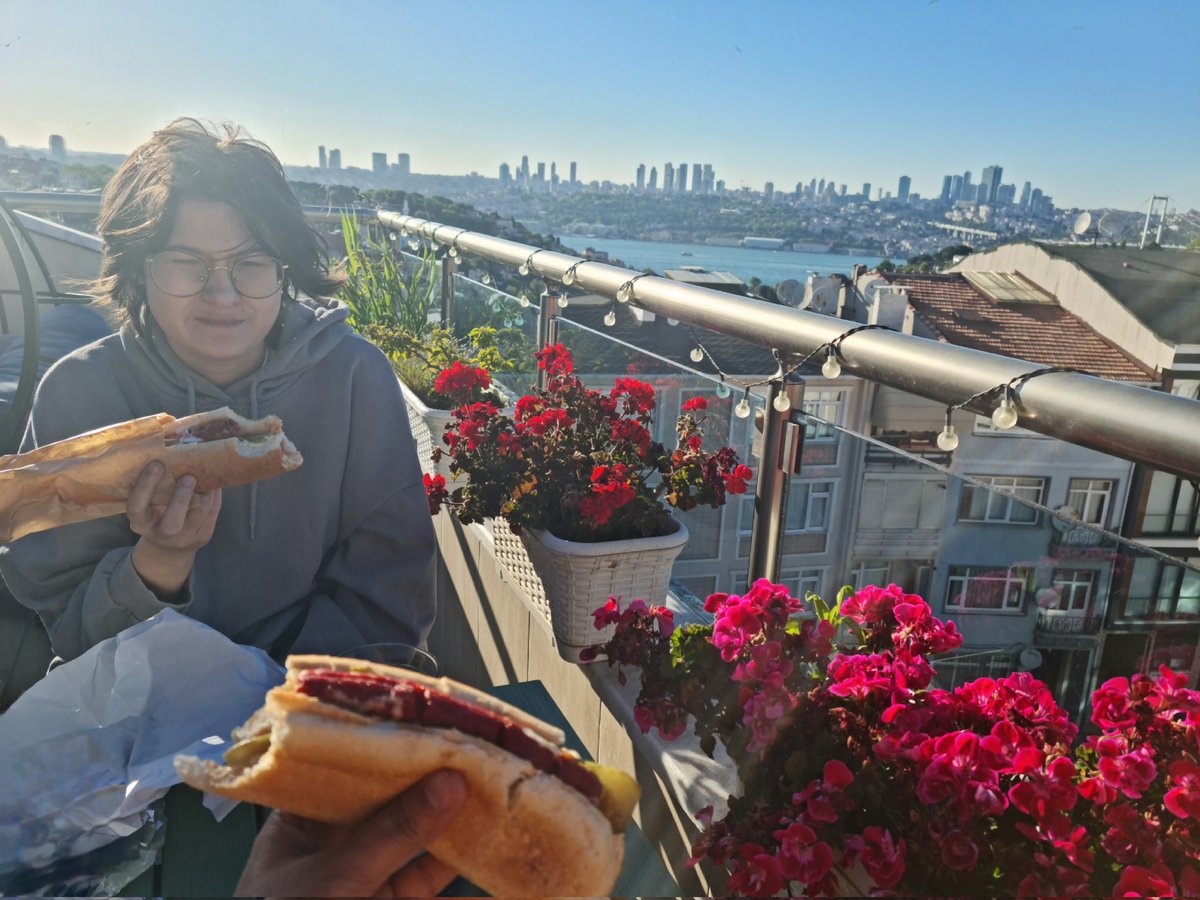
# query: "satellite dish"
x,y
1030,659
819,303
787,291
1083,223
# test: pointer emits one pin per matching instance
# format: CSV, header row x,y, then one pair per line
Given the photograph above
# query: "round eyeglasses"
x,y
183,274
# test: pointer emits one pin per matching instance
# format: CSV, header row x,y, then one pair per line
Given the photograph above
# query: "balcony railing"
x,y
1060,621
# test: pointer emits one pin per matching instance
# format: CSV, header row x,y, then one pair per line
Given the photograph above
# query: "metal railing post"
x,y
782,446
449,267
547,330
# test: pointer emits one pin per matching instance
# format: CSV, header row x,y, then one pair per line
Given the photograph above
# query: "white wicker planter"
x,y
566,581
428,426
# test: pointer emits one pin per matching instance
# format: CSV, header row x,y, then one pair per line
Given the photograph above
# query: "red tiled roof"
x,y
1043,333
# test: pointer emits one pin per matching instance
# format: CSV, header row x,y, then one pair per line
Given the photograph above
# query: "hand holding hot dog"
x,y
379,857
170,535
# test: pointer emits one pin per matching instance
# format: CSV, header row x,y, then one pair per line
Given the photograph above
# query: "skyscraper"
x,y
990,183
379,163
525,170
58,148
708,178
404,161
902,191
335,159
1024,202
321,161
681,178
541,173
653,186
505,175
697,185
668,178
821,187
866,193
720,186
641,177
769,190
572,173
947,183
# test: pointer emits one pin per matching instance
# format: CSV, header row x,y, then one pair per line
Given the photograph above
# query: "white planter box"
x,y
566,581
428,426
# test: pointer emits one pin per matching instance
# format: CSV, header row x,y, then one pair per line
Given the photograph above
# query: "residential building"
x,y
322,162
697,175
981,542
335,159
641,177
902,191
404,161
379,163
681,175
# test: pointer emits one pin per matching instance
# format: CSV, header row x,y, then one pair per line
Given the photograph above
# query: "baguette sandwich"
x,y
341,737
91,475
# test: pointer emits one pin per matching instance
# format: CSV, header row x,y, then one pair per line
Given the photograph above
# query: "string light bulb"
x,y
611,319
569,275
723,390
742,410
625,292
528,264
831,368
697,355
486,279
1005,415
523,299
414,244
948,439
781,402
563,302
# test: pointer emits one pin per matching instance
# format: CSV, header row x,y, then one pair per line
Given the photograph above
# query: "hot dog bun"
x,y
90,476
522,832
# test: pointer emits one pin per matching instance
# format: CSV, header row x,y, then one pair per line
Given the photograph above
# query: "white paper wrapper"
x,y
86,750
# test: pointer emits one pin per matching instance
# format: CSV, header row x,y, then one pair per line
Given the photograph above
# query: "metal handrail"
x,y
1133,423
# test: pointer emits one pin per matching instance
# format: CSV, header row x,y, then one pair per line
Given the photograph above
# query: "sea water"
x,y
769,266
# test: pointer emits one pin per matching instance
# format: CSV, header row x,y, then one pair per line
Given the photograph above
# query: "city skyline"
x,y
912,88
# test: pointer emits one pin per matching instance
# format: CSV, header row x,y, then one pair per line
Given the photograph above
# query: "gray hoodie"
x,y
335,554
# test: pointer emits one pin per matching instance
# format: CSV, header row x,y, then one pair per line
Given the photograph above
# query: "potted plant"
x,y
392,305
583,486
858,776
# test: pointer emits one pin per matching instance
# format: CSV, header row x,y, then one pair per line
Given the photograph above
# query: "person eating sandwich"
x,y
221,284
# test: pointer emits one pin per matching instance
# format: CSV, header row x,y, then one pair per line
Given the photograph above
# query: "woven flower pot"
x,y
428,426
566,581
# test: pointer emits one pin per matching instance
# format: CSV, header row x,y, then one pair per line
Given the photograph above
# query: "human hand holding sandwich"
x,y
169,535
379,857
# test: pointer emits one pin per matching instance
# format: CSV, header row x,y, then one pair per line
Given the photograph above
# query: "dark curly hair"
x,y
189,159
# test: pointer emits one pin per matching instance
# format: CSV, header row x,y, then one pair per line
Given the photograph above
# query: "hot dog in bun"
x,y
90,476
341,737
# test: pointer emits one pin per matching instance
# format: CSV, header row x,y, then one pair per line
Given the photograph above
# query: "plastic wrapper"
x,y
86,752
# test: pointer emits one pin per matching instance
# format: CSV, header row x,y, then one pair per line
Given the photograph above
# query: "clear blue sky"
x,y
1096,102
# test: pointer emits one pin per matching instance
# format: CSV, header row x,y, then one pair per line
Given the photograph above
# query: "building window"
x,y
802,581
809,503
826,405
1075,589
998,499
808,508
979,588
1160,590
870,573
1091,499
